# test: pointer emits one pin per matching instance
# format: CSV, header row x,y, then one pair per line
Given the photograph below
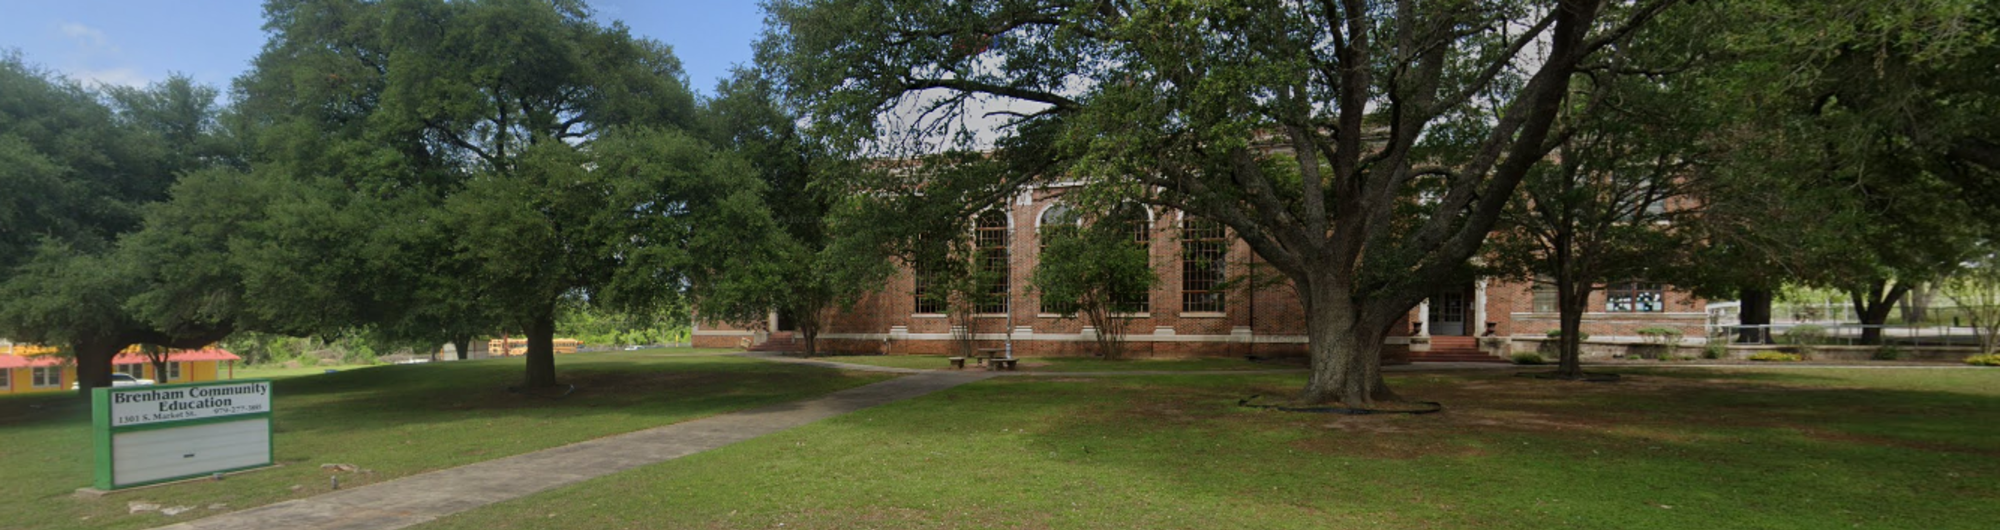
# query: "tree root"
x,y
1415,407
552,392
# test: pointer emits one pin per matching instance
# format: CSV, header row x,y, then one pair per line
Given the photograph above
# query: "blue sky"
x,y
134,42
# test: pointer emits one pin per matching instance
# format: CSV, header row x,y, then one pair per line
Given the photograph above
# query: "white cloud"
x,y
90,38
95,60
112,76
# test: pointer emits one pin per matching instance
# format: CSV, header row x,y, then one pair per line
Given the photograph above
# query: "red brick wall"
x,y
1513,301
1267,307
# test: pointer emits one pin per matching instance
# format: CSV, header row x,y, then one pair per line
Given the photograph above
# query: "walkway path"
x,y
416,499
1413,367
770,356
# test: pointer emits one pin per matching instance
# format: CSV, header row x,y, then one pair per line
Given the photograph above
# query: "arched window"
x,y
989,237
1204,265
1139,220
1056,217
1057,214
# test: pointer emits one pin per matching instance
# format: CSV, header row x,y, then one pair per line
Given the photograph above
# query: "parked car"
x,y
118,380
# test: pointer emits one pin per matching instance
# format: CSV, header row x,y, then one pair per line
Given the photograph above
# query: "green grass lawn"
x,y
392,420
1073,364
279,371
1682,448
273,371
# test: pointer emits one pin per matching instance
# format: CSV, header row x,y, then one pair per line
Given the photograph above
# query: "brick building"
x,y
1187,314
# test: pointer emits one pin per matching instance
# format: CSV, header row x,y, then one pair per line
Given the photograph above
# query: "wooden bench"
x,y
957,363
1002,363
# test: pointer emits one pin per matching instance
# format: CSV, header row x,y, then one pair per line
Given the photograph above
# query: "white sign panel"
x,y
146,456
153,434
141,405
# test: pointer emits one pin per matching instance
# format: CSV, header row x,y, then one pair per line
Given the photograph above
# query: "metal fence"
x,y
1844,334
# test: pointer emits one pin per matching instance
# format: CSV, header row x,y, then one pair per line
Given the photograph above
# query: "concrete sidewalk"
x,y
416,499
768,356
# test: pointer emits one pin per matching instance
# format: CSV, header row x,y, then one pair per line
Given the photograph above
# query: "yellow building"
x,y
27,368
512,347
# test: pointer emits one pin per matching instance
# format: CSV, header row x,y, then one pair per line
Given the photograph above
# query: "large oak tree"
x,y
1307,128
507,156
83,169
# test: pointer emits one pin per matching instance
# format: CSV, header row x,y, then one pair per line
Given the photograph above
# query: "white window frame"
x,y
41,372
6,378
173,372
136,370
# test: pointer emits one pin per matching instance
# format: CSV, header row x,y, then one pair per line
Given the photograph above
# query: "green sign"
x,y
162,433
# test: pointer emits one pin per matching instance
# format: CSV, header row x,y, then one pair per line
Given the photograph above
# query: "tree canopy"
x,y
482,162
1304,127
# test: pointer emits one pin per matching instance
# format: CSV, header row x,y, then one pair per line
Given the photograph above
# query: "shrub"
x,y
1807,335
1887,353
1529,358
1984,360
1714,351
1666,340
1557,333
1662,335
1771,356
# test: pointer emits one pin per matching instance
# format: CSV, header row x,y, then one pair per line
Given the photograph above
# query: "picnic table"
x,y
983,354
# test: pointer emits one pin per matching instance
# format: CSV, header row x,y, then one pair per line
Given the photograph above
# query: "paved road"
x,y
416,499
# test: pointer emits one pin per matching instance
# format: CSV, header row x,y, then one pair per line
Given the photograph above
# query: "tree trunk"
x,y
1756,311
541,353
1873,307
157,357
1346,349
808,324
1110,330
1916,307
93,364
1571,301
461,346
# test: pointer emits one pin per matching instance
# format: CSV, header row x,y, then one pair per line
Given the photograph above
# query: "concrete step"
x,y
1469,359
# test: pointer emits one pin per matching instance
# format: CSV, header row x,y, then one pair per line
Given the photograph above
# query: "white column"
x,y
1478,309
1424,318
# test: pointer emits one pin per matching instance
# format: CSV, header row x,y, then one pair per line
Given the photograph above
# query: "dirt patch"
x,y
1381,437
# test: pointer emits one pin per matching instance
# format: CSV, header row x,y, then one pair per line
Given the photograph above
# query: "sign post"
x,y
162,433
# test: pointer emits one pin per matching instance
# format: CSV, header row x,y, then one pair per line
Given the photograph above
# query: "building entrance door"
x,y
1447,314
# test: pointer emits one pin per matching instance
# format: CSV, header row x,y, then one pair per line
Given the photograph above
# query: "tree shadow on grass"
x,y
1663,452
689,386
394,421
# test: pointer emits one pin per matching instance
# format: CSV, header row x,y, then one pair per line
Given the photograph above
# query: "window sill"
x,y
927,315
990,315
1119,315
1204,314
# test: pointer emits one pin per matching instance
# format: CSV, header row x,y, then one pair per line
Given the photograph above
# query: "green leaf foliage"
x,y
1093,271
